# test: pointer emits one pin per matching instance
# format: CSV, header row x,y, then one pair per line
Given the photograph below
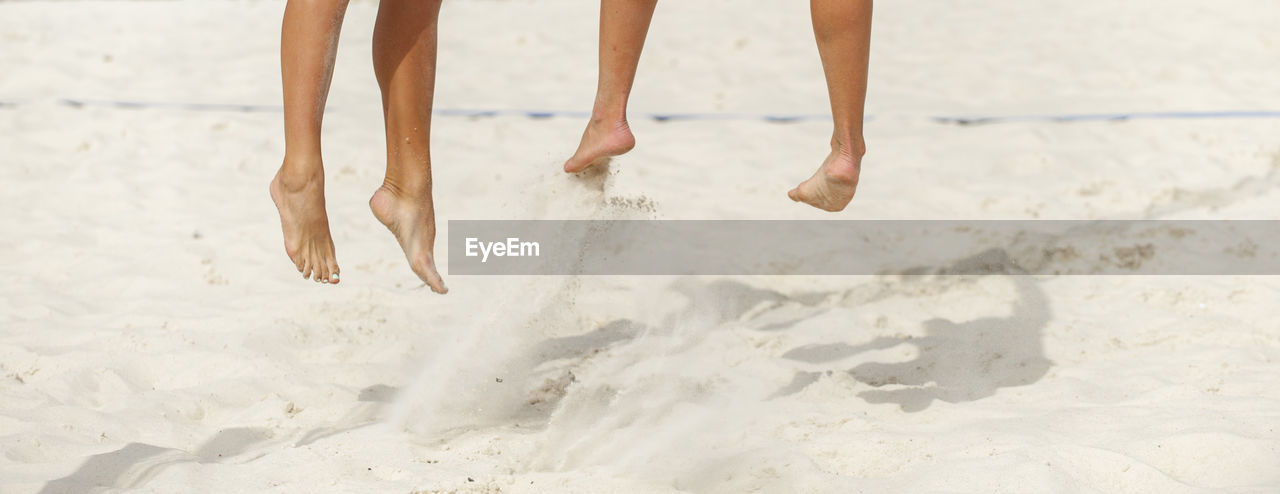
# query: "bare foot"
x,y
300,199
600,141
412,219
833,185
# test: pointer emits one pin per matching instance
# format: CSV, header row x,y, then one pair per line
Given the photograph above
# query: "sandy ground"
x,y
153,336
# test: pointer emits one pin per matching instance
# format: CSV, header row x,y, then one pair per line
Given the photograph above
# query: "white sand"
x,y
153,335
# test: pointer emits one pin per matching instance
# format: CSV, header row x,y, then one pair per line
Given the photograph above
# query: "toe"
x,y
294,254
437,284
574,165
794,194
434,281
318,262
333,272
426,270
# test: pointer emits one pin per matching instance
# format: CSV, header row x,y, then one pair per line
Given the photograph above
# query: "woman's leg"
x,y
623,26
308,44
843,31
404,60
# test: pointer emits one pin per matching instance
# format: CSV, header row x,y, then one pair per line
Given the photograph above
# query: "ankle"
x,y
849,146
612,129
621,126
297,173
404,188
608,117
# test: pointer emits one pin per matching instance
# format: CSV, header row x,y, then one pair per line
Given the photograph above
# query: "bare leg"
x,y
404,60
623,27
843,31
308,45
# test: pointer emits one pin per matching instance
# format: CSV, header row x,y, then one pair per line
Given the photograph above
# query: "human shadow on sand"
x,y
956,361
134,464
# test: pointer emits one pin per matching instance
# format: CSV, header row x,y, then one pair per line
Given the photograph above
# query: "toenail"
x,y
334,276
